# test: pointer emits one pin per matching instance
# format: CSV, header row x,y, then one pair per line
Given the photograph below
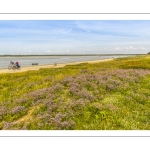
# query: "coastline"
x,y
24,69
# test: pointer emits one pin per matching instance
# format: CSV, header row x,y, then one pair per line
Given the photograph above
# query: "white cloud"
x,y
131,48
117,48
64,31
143,48
48,51
114,49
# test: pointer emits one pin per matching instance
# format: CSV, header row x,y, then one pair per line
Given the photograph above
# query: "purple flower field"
x,y
94,99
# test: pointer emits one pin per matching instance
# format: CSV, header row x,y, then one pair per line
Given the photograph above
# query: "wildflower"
x,y
18,109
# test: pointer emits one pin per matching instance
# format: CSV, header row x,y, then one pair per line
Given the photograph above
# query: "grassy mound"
x,y
104,96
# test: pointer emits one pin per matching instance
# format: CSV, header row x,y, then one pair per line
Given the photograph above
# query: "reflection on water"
x,y
45,60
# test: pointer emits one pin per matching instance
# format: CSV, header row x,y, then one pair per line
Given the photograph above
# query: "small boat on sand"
x,y
34,63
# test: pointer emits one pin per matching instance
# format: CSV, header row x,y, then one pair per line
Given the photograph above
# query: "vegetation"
x,y
113,95
8,55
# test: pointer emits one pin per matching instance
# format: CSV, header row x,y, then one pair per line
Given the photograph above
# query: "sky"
x,y
74,37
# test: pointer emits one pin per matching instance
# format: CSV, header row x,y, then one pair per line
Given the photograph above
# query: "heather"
x,y
110,95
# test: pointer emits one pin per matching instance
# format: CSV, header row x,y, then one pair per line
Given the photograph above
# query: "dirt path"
x,y
26,118
23,69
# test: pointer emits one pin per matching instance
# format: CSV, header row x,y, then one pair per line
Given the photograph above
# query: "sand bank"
x,y
23,69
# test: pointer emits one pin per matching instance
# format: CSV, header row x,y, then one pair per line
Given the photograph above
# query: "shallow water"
x,y
46,60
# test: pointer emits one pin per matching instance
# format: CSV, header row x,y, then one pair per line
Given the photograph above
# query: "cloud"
x,y
66,31
48,51
143,48
88,31
67,51
69,36
113,49
117,48
131,48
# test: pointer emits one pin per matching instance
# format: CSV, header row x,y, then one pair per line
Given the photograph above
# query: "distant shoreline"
x,y
23,69
68,55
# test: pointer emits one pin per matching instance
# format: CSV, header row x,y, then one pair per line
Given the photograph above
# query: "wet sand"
x,y
23,69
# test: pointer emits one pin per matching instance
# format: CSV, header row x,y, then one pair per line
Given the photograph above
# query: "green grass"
x,y
111,95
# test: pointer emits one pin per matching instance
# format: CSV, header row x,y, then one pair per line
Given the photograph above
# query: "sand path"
x,y
23,69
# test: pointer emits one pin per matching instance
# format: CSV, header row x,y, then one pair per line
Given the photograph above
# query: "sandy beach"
x,y
23,69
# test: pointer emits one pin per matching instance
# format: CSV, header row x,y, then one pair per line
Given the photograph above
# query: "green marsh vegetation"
x,y
113,95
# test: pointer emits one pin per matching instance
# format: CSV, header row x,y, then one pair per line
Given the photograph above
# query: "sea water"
x,y
47,60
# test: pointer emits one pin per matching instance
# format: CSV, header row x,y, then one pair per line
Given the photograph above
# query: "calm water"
x,y
45,60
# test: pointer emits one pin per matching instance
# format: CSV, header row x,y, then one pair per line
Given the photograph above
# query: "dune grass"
x,y
113,95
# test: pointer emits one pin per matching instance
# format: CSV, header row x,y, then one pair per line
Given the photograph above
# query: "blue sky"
x,y
74,37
